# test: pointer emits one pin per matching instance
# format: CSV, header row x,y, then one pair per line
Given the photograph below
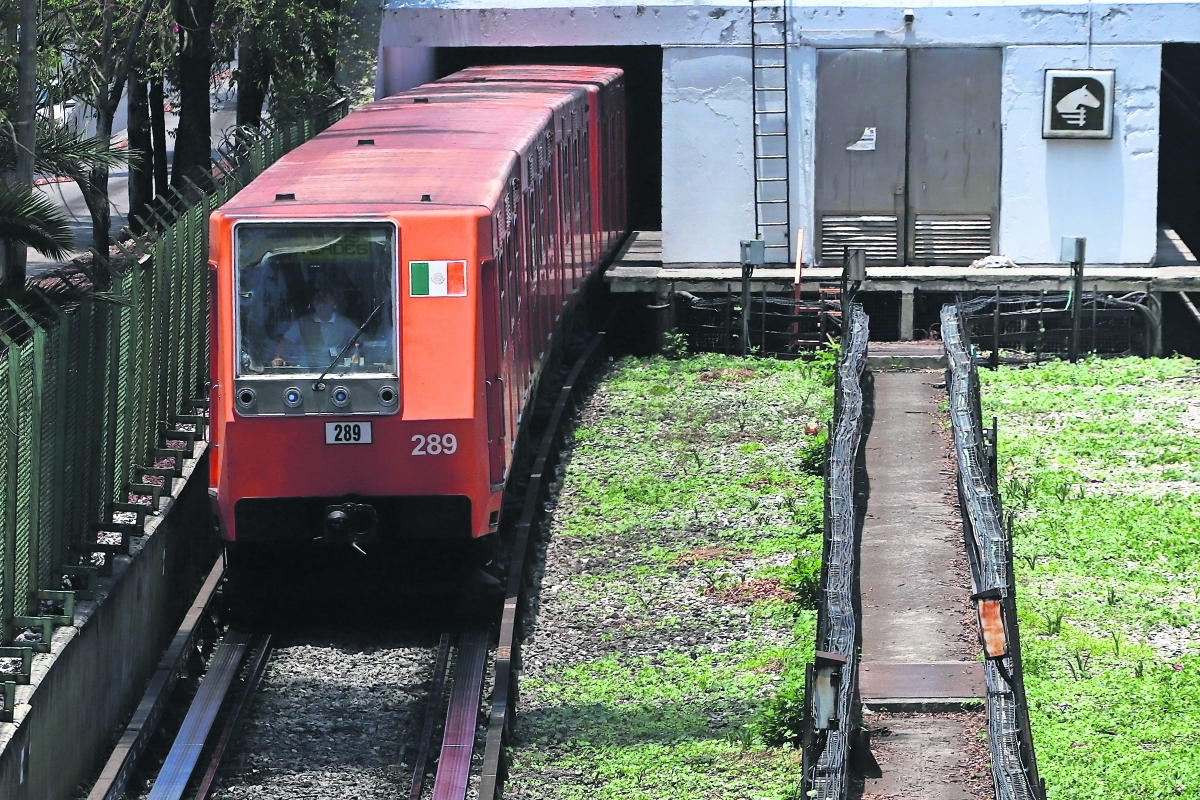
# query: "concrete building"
x,y
916,133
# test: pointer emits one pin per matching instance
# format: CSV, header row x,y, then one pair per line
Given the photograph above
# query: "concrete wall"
x,y
86,688
708,156
402,68
1104,189
802,153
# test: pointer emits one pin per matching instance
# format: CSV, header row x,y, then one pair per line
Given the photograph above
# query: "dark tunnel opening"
x,y
643,86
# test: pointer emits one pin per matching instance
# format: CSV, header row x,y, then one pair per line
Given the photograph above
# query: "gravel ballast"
x,y
664,620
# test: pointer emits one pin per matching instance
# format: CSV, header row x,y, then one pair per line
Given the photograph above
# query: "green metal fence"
x,y
102,395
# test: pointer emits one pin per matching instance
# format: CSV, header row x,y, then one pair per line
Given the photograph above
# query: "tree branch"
x,y
126,63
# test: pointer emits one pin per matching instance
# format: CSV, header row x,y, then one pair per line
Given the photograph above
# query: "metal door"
x,y
953,154
861,117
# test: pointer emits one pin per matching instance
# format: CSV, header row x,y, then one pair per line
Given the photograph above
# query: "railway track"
x,y
317,686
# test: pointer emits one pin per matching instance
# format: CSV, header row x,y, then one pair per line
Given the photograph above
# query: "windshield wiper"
x,y
350,343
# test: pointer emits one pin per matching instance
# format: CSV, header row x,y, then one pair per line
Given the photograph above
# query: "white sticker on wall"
x,y
866,141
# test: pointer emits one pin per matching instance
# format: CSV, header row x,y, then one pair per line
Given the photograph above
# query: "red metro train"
x,y
385,297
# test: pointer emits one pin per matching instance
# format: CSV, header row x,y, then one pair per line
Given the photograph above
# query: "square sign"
x,y
437,278
1078,104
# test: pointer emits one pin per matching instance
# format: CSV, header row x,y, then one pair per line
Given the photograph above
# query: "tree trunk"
x,y
26,130
141,155
158,126
193,140
253,77
95,194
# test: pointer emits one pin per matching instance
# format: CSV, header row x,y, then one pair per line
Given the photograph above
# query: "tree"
x,y
193,138
55,149
25,133
287,53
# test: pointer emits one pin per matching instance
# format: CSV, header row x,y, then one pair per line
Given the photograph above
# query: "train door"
x,y
908,154
489,281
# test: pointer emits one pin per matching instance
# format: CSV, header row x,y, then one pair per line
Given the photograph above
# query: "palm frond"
x,y
34,221
60,150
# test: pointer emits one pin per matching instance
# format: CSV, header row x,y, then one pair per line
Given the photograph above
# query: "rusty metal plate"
x,y
940,680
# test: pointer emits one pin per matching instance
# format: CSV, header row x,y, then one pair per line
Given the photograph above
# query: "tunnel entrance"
x,y
643,86
1178,177
1179,142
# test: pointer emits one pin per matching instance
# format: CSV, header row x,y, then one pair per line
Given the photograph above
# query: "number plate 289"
x,y
347,433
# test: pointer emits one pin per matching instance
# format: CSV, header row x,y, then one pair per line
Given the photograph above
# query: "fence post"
x,y
996,331
36,521
8,545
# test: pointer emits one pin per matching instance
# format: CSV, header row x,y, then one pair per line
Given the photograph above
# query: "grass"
x,y
1100,466
672,608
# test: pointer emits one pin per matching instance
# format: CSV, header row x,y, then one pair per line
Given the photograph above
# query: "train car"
x,y
385,297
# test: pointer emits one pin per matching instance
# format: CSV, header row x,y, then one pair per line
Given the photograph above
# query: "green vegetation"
x,y
676,609
1100,466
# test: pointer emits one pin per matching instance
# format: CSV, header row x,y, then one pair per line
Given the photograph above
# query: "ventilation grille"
x,y
878,235
952,239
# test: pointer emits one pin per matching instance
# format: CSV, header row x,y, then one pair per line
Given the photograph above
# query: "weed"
x,y
678,469
780,721
812,457
675,345
1054,620
804,580
744,736
1079,661
1101,470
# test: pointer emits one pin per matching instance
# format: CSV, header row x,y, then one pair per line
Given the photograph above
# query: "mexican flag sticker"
x,y
437,278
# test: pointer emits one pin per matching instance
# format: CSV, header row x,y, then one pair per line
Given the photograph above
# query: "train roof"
x,y
471,126
374,179
551,95
539,73
459,148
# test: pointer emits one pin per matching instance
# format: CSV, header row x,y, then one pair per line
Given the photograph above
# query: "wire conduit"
x,y
1014,766
827,750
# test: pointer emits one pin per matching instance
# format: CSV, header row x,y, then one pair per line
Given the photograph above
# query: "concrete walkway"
x,y
919,639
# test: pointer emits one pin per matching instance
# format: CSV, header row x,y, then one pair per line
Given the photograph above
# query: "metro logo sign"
x,y
437,278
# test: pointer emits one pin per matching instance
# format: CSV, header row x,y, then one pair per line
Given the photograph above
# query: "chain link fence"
x,y
103,393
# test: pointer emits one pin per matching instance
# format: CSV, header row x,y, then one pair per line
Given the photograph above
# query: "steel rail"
x,y
432,707
458,738
1014,766
120,765
507,659
214,686
258,662
838,626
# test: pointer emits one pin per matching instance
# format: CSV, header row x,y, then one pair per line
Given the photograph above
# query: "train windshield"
x,y
314,297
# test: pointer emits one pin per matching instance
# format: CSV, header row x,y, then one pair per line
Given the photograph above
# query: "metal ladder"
x,y
768,55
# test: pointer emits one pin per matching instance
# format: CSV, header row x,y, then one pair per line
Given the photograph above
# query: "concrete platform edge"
x,y
83,691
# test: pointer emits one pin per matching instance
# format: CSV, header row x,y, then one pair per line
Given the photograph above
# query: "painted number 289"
x,y
435,444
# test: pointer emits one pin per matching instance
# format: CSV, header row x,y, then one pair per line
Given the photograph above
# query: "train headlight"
x,y
387,396
246,397
292,398
340,396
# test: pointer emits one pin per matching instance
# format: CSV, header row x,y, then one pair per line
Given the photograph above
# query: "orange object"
x,y
995,642
499,198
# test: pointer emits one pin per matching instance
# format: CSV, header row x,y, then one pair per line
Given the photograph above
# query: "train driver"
x,y
314,340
